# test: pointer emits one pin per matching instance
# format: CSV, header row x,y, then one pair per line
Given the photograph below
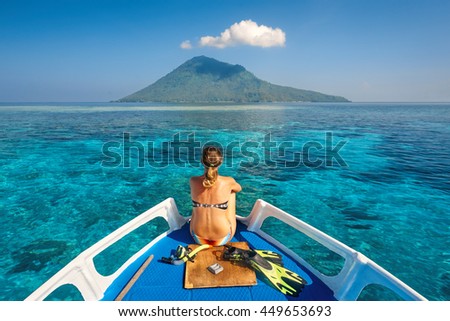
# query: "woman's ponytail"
x,y
210,177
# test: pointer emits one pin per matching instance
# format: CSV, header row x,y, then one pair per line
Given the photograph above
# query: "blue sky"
x,y
67,50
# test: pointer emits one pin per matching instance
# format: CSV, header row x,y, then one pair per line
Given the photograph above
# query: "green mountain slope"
x,y
206,80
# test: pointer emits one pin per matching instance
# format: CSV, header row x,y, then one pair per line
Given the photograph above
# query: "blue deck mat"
x,y
164,282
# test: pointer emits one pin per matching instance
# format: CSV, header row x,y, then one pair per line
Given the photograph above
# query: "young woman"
x,y
214,202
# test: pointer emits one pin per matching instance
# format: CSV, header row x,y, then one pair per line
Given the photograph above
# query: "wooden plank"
x,y
134,278
197,274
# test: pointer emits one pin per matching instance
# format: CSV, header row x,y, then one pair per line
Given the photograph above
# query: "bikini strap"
x,y
221,205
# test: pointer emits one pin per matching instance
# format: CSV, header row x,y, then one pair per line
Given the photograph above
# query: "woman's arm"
x,y
235,186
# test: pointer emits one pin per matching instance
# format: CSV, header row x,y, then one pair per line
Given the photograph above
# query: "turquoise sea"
x,y
374,176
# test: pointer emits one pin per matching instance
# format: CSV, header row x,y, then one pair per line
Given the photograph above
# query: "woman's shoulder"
x,y
227,179
196,178
230,181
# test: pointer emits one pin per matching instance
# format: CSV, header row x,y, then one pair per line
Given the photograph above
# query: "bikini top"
x,y
222,206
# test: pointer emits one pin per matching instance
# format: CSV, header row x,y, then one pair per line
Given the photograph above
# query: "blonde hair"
x,y
211,159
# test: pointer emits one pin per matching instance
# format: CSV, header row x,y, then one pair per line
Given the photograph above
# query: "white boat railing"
x,y
82,273
358,271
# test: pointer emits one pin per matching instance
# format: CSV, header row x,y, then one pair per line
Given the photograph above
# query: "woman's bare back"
x,y
211,222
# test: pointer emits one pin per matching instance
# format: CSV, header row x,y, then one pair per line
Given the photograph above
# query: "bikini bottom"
x,y
219,242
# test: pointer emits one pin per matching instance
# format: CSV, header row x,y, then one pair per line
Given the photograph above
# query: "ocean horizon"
x,y
375,176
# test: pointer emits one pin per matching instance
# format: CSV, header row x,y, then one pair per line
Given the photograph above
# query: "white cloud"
x,y
186,45
246,32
